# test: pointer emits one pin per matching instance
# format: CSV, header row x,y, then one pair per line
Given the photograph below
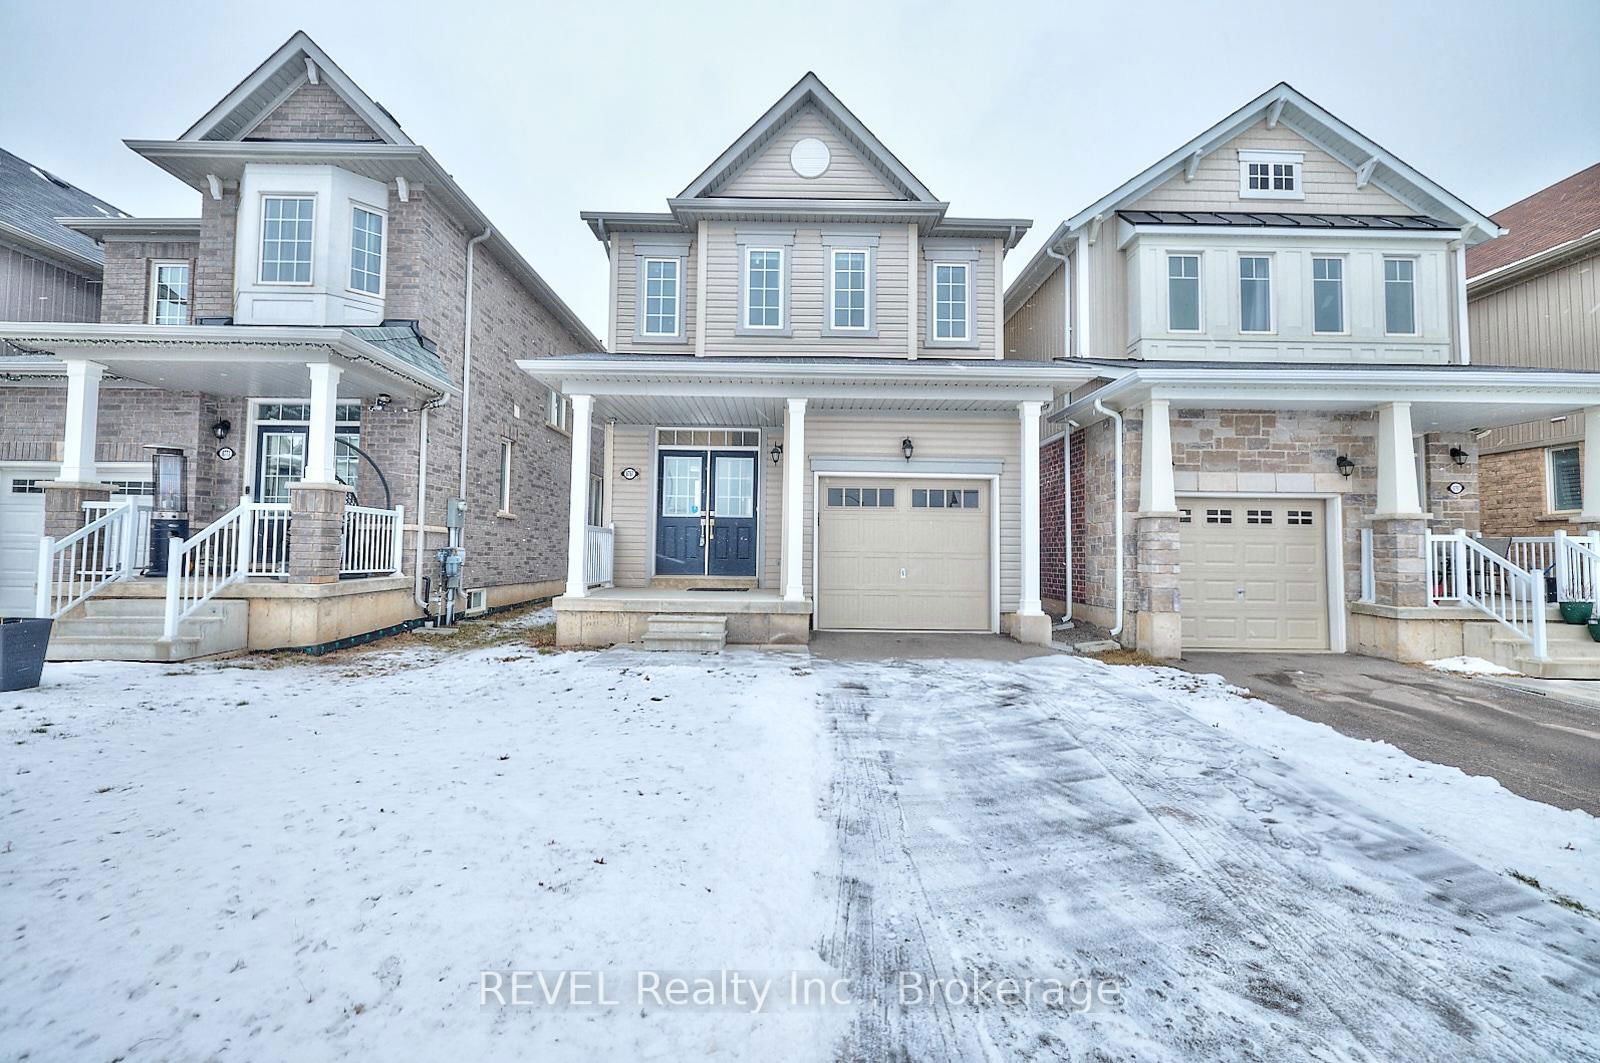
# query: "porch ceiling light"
x,y
777,453
906,447
1347,468
221,429
382,402
1458,455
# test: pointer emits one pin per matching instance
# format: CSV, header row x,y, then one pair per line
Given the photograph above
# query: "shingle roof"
x,y
1565,211
403,343
31,200
1281,220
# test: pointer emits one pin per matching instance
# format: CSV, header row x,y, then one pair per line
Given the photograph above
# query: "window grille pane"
x,y
886,497
835,496
1327,290
1183,293
1255,295
1399,295
919,498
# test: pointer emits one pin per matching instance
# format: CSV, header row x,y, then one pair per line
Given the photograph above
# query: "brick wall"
x,y
125,298
1052,523
213,277
313,112
1515,499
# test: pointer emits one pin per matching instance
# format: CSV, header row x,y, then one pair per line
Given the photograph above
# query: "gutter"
x,y
1118,522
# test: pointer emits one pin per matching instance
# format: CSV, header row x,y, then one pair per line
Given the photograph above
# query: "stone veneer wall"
x,y
1515,499
1246,451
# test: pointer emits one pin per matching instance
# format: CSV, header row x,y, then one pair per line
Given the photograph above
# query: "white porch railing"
x,y
1460,569
1577,567
1536,553
141,548
74,567
599,554
201,565
269,539
372,543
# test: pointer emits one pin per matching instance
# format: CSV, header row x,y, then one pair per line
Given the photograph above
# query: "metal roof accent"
x,y
406,346
31,201
1275,220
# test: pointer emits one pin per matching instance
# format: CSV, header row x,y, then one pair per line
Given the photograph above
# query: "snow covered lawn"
x,y
316,859
287,858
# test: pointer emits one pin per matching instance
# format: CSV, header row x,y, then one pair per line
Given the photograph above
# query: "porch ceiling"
x,y
218,360
721,411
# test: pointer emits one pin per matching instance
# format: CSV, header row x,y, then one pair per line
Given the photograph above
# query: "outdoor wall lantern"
x,y
1458,455
906,447
777,453
1347,468
221,429
382,402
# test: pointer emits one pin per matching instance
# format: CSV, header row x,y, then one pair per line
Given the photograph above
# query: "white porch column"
x,y
320,466
1397,463
1156,494
83,413
1590,464
794,502
1029,604
578,515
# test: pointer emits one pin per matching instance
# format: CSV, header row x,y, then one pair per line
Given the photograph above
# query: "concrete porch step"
x,y
130,626
129,629
686,633
1559,667
122,648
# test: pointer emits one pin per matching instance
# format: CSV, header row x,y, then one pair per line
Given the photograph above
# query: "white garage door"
x,y
21,526
903,555
1254,574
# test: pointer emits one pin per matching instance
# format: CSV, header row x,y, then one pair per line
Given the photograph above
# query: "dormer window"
x,y
286,227
1271,174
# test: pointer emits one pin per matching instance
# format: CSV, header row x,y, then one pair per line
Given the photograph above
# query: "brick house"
x,y
1532,297
331,346
1280,448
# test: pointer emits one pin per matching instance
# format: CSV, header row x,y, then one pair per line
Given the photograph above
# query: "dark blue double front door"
x,y
706,513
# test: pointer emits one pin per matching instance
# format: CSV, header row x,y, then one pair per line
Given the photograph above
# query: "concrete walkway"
x,y
1544,747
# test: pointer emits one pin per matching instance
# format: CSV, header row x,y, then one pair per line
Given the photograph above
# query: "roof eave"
x,y
66,255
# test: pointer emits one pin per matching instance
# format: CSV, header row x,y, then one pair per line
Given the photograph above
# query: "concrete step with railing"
x,y
1570,653
686,633
131,629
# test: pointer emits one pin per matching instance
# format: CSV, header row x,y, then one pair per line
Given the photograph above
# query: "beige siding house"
x,y
1281,448
1533,299
809,419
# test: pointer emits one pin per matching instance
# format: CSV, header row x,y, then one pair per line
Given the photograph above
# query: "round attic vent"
x,y
809,157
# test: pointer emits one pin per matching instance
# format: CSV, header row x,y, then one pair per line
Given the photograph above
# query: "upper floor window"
x,y
951,295
555,409
1255,293
849,290
1327,294
1271,174
286,223
763,288
169,293
1183,293
660,297
1400,296
366,250
505,477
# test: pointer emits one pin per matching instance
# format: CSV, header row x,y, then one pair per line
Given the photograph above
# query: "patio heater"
x,y
169,513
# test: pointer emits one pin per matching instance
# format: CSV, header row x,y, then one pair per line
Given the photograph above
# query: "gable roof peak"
x,y
808,91
298,61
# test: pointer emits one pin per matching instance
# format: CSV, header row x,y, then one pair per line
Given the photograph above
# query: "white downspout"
x,y
466,365
1066,438
422,509
1117,517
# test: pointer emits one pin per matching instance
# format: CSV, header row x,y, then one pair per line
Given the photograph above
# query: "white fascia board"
x,y
799,389
1534,261
133,228
711,370
1129,232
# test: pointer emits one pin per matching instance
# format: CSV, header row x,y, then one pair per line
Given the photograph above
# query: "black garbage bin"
x,y
23,641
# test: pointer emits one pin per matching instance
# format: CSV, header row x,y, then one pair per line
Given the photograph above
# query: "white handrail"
x,y
200,566
76,566
1577,564
372,541
599,555
1462,569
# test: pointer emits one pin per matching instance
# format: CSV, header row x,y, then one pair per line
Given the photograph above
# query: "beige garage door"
x,y
1254,574
906,555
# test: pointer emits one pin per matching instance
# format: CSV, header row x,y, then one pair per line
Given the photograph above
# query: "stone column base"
x,y
63,504
1399,569
316,527
1158,625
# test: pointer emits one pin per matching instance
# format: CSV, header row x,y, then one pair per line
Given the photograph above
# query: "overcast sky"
x,y
1020,110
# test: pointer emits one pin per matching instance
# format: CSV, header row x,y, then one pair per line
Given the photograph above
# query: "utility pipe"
x,y
1116,462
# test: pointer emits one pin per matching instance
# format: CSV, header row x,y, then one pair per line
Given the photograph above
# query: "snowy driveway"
x,y
318,860
1065,819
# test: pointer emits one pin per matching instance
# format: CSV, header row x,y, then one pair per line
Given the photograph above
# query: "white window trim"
x,y
783,294
1200,291
1416,304
934,265
1293,158
155,274
676,332
1550,479
506,447
383,248
261,238
868,325
560,421
1344,294
1272,292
